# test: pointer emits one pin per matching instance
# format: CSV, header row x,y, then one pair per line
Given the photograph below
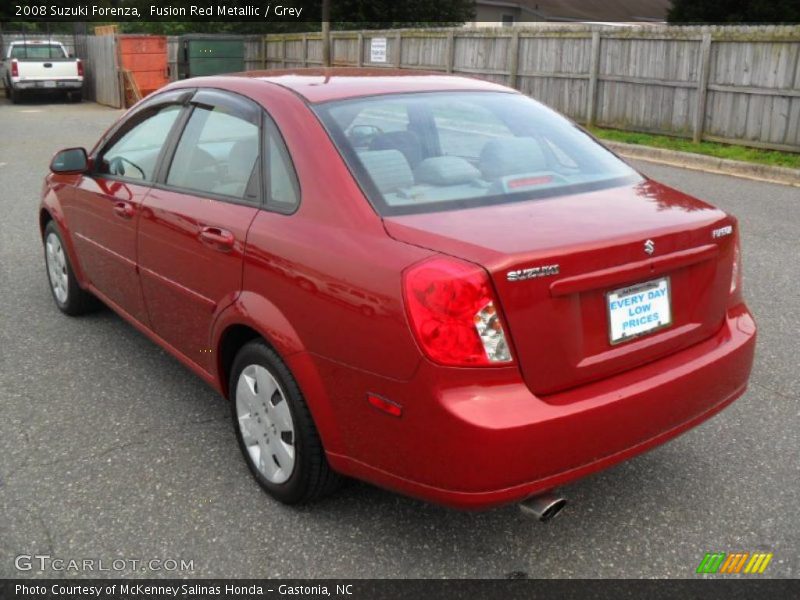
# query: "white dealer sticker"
x,y
638,309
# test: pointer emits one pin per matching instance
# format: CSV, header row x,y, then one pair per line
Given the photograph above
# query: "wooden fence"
x,y
101,75
732,84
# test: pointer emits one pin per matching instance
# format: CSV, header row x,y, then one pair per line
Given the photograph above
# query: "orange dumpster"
x,y
145,56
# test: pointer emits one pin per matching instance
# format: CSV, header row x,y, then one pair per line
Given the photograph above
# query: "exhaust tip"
x,y
543,507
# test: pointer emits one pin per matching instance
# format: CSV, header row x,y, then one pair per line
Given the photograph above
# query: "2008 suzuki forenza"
x,y
427,282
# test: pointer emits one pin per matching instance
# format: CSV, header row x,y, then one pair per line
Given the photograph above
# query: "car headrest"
x,y
406,142
242,157
389,169
445,170
510,156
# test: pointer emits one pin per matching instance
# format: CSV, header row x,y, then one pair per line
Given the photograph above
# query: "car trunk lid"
x,y
554,262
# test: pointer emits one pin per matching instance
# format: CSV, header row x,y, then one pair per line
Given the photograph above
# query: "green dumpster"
x,y
200,55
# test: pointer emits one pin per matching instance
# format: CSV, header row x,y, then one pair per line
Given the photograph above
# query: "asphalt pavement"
x,y
110,449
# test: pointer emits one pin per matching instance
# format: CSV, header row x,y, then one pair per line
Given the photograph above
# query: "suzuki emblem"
x,y
650,247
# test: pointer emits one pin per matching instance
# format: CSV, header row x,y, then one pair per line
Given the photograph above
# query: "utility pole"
x,y
326,33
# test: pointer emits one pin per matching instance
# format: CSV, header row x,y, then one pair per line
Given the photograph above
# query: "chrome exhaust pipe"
x,y
543,507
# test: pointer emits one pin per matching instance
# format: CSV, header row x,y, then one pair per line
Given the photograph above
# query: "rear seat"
x,y
388,169
511,156
406,142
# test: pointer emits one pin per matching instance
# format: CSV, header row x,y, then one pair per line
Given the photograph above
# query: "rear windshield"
x,y
37,51
441,150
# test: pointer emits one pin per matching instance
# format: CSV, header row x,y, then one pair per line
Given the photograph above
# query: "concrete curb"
x,y
710,164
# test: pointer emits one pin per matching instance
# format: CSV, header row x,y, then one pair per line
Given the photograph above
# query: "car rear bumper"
x,y
474,443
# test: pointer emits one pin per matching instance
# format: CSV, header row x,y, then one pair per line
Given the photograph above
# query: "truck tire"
x,y
76,97
13,95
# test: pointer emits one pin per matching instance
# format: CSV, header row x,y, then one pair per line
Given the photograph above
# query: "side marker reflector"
x,y
384,405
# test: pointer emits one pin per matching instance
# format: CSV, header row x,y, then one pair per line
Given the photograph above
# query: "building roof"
x,y
591,10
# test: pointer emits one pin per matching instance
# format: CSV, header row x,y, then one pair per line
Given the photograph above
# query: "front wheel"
x,y
274,428
68,295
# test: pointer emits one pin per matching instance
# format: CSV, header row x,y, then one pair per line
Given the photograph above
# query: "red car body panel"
x,y
188,278
323,286
103,213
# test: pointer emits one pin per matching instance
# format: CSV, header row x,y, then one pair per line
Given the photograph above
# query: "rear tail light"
x,y
80,67
14,68
736,272
454,315
736,275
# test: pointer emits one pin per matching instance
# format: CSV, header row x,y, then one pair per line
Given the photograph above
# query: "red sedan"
x,y
431,283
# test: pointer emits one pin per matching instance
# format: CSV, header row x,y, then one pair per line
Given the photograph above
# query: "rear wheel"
x,y
13,95
274,428
68,295
75,97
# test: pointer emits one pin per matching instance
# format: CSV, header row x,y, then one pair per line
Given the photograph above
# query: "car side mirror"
x,y
71,160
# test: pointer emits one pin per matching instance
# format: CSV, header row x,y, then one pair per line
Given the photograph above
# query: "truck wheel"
x,y
76,97
13,95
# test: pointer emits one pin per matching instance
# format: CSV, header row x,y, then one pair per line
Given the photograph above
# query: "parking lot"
x,y
110,449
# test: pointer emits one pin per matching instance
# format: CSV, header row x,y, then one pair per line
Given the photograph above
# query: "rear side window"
x,y
135,154
217,154
42,51
282,185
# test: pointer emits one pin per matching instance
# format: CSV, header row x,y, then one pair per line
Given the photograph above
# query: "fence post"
x,y
514,68
594,69
305,50
702,88
451,50
360,42
263,52
326,44
398,59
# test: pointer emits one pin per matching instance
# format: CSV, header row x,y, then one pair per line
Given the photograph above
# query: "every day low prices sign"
x,y
638,309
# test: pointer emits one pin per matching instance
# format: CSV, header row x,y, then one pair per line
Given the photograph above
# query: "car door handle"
x,y
219,239
124,210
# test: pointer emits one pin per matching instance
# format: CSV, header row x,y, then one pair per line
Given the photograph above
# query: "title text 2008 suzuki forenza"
x,y
428,282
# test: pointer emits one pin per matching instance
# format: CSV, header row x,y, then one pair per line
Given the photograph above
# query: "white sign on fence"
x,y
377,50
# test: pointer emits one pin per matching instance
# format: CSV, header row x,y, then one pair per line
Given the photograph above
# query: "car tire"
x,y
275,430
69,297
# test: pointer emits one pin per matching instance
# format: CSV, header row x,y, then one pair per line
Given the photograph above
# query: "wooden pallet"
x,y
132,92
106,30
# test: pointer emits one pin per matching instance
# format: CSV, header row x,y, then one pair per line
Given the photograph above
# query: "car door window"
x,y
135,154
282,185
217,153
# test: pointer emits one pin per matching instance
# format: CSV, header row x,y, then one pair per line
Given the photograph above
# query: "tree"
x,y
734,11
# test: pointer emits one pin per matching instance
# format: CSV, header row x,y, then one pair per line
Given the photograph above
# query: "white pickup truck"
x,y
41,66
